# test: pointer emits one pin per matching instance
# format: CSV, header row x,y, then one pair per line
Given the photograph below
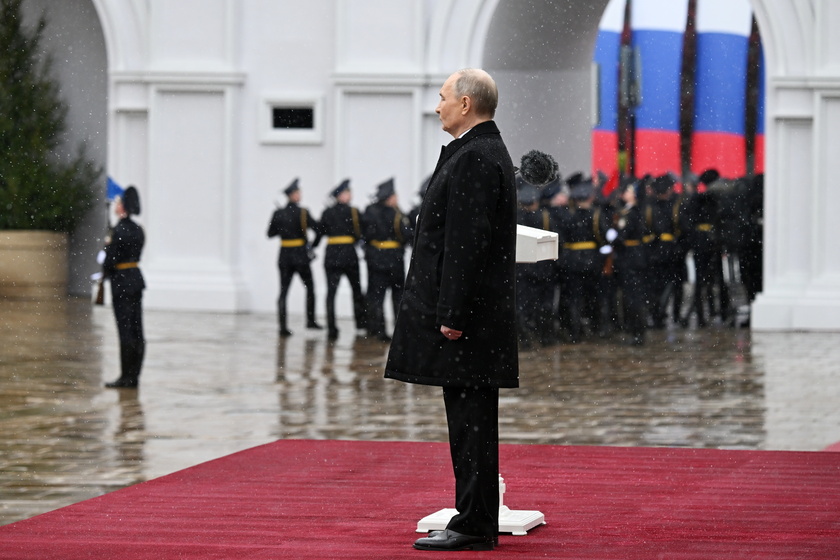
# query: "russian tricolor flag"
x,y
723,30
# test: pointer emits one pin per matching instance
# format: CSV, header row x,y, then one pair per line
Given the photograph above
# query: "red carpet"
x,y
362,500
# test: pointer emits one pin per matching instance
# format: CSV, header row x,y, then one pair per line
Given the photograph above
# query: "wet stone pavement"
x,y
214,384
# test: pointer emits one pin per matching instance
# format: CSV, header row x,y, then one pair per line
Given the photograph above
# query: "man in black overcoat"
x,y
291,224
456,326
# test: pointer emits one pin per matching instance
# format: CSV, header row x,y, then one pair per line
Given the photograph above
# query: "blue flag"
x,y
114,190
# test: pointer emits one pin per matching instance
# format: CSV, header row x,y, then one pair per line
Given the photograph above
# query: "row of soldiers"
x,y
623,259
383,231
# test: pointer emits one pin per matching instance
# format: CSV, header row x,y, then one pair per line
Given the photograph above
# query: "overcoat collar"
x,y
486,127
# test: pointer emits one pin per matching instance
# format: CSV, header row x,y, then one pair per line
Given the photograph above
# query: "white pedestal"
x,y
516,522
534,245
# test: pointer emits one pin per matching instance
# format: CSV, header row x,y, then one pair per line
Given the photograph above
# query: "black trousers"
x,y
287,272
128,312
472,415
379,282
334,274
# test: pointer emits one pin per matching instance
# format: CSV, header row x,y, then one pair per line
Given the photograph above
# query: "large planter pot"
x,y
33,264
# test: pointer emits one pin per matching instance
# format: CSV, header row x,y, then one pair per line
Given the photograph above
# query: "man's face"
x,y
451,108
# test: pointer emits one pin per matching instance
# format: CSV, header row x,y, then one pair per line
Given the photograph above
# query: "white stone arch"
x,y
125,26
802,113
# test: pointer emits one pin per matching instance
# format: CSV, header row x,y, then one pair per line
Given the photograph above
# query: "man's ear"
x,y
466,105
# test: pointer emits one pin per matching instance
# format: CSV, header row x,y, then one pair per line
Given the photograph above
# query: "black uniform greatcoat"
x,y
341,225
462,272
291,224
122,256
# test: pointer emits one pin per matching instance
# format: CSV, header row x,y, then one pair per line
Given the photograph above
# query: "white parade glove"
x,y
605,250
611,235
96,276
100,257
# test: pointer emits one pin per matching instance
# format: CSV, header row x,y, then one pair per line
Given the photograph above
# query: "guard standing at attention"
x,y
120,266
665,220
290,224
341,225
534,281
631,261
583,233
386,231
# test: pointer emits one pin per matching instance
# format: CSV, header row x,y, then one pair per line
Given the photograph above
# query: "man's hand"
x,y
450,334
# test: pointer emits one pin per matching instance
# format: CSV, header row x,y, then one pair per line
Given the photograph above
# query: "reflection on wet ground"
x,y
214,384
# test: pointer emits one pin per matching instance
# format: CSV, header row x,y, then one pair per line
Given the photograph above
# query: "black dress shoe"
x,y
285,332
452,540
122,383
313,325
332,334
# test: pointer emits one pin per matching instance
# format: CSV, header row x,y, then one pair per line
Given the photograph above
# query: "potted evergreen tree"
x,y
43,195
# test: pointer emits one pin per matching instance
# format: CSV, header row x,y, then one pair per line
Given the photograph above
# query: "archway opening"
x,y
74,39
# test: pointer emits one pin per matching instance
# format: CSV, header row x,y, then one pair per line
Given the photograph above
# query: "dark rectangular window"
x,y
287,117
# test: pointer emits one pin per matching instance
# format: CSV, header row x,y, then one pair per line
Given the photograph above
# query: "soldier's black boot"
x,y
127,379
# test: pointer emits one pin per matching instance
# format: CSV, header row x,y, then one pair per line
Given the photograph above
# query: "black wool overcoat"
x,y
462,272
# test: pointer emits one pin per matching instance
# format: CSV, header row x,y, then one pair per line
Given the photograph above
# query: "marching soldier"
x,y
290,224
386,231
631,260
703,239
665,219
534,281
583,233
341,225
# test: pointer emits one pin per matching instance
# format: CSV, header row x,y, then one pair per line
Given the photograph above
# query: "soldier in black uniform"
x,y
534,281
705,245
631,260
386,231
120,265
555,197
291,224
666,222
583,233
341,225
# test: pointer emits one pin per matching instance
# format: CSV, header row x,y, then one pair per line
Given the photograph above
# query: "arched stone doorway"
x,y
75,40
801,269
540,53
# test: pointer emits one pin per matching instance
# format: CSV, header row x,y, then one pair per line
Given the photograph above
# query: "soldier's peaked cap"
x,y
384,190
293,186
344,186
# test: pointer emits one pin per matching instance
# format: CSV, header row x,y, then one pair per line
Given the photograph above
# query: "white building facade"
x,y
178,98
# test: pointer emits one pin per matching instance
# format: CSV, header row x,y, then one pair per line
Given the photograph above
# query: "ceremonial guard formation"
x,y
635,254
381,232
629,248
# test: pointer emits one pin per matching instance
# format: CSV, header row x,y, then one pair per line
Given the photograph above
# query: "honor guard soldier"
x,y
631,260
120,266
290,224
534,281
341,225
665,220
386,231
702,235
583,233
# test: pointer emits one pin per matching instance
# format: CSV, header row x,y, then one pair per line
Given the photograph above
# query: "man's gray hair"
x,y
480,88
